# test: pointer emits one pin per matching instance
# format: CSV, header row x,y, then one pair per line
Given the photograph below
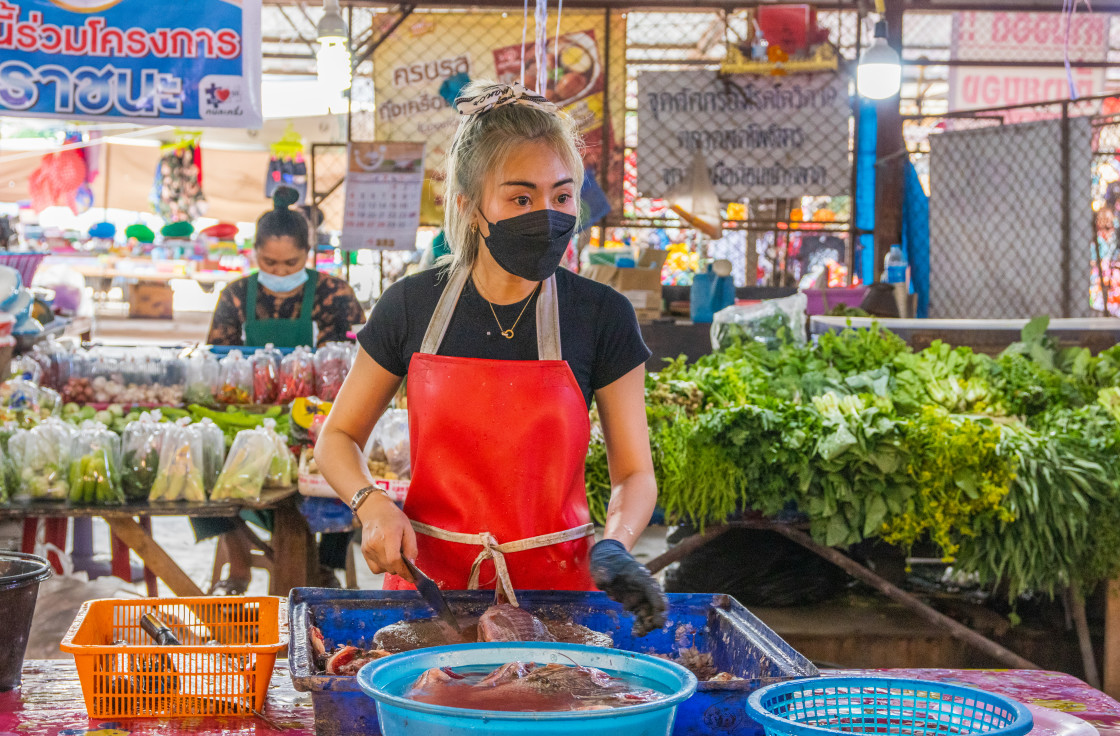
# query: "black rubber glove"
x,y
627,581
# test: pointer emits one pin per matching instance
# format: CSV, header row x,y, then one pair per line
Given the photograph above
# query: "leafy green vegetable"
x,y
1010,465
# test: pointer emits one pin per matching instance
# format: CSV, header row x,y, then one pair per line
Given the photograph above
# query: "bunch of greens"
x,y
1009,464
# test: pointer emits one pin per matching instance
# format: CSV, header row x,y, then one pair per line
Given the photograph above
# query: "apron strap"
x,y
492,550
251,298
307,308
548,317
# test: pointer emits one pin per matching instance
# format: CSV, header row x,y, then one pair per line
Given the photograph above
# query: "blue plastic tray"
x,y
738,641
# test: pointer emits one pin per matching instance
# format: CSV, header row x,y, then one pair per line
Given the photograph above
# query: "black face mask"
x,y
531,245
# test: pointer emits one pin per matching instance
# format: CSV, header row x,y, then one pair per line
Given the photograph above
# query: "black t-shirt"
x,y
599,335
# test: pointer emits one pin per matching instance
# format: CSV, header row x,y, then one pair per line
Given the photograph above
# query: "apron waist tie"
x,y
492,550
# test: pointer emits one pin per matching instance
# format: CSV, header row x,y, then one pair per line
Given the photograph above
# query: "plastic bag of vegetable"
x,y
297,375
332,362
237,379
202,378
95,476
390,435
180,476
282,469
774,322
213,451
266,369
41,458
140,448
247,467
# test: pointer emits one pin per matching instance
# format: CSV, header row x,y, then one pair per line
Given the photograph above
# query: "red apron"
x,y
498,450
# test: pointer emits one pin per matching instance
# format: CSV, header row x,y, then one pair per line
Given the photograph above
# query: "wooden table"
x,y
50,703
131,528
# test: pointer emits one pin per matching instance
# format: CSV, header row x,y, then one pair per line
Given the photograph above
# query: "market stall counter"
x,y
128,524
50,704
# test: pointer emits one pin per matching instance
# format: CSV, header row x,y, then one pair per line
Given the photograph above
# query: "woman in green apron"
x,y
284,304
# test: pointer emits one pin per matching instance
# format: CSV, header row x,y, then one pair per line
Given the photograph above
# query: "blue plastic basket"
x,y
883,705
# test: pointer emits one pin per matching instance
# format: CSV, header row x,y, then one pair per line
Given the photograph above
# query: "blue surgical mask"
x,y
282,284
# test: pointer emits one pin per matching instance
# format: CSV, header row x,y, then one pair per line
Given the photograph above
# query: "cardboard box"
x,y
640,284
150,300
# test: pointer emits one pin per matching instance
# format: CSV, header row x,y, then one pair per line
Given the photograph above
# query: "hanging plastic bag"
x,y
213,451
237,379
180,476
695,200
41,459
95,476
141,443
247,467
332,362
266,370
297,375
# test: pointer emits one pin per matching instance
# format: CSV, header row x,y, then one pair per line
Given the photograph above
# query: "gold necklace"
x,y
508,334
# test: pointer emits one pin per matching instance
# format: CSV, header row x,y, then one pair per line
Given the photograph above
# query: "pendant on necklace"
x,y
507,334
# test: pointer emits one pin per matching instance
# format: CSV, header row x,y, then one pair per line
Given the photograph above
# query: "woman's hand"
x,y
624,579
386,535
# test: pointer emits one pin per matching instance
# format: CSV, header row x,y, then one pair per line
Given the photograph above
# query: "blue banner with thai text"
x,y
191,62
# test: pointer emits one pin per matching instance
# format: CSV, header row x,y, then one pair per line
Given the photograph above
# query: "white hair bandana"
x,y
500,95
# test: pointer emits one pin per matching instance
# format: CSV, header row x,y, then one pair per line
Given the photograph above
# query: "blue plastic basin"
x,y
386,679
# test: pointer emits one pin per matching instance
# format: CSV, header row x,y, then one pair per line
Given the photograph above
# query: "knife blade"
x,y
431,593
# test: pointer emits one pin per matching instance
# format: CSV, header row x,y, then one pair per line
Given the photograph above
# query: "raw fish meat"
x,y
526,686
404,636
570,632
503,622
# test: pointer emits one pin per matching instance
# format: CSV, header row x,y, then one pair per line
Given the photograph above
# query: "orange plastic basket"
x,y
223,667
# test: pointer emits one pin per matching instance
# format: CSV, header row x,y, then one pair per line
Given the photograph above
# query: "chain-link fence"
x,y
783,175
1022,208
779,150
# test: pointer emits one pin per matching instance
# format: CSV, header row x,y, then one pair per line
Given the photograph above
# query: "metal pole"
x,y
889,168
608,131
853,230
1066,235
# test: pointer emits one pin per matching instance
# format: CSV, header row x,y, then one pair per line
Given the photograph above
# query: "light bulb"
x,y
333,63
331,26
879,74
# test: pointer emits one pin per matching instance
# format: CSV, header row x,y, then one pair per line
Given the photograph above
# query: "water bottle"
x,y
896,268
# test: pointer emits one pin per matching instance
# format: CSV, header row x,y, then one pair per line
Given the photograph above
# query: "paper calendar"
x,y
384,181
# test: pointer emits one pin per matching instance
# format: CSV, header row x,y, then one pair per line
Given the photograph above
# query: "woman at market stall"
x,y
503,355
285,304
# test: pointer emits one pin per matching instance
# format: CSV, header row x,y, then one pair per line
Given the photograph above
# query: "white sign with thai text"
x,y
760,136
996,36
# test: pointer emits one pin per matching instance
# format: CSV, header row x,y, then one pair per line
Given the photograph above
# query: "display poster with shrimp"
x,y
421,68
383,184
136,61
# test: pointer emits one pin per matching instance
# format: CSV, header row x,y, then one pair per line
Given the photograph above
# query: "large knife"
x,y
431,593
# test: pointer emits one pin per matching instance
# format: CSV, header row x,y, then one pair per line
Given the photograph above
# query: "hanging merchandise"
x,y
695,200
287,166
57,181
177,191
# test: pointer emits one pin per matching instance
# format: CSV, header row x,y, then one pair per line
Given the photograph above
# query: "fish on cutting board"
x,y
528,686
404,636
505,622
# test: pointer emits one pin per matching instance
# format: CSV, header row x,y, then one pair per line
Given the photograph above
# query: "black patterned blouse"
x,y
336,310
